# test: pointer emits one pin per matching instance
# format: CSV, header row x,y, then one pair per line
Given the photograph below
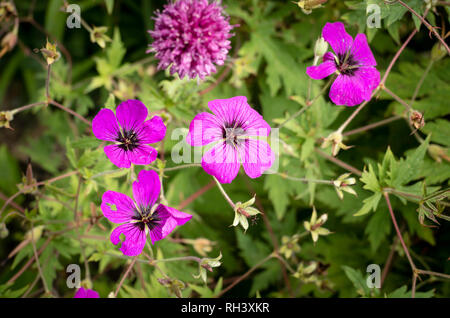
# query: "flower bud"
x,y
417,119
438,52
98,35
438,153
5,118
50,53
3,231
343,183
335,140
320,48
308,5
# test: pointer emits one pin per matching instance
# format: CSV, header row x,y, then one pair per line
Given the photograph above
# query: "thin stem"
x,y
372,126
27,187
36,257
22,108
225,195
52,102
308,103
399,234
413,289
244,276
429,26
338,162
422,79
194,196
398,99
125,276
47,82
421,271
305,180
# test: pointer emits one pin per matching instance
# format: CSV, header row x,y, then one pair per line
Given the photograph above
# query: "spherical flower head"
x,y
192,36
352,61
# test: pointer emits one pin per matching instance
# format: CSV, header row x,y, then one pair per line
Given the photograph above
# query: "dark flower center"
x,y
127,140
346,64
152,220
231,133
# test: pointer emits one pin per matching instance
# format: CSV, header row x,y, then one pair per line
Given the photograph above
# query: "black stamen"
x,y
231,133
128,140
346,64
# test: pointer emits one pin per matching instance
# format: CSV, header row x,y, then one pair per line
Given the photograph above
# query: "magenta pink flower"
x,y
192,36
143,217
354,63
86,293
234,128
133,135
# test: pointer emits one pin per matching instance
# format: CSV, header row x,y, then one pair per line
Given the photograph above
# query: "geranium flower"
x,y
133,135
142,216
234,128
354,63
86,293
192,36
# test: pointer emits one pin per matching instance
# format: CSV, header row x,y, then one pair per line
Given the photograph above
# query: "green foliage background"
x,y
271,49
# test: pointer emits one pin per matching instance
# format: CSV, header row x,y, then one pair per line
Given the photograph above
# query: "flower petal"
x,y
118,156
346,90
337,37
146,189
134,238
237,110
86,293
321,71
180,217
369,78
124,205
131,114
256,157
151,131
104,125
170,218
204,129
361,51
222,162
142,155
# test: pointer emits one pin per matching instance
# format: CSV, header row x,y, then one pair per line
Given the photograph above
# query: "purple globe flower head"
x,y
86,293
236,130
354,63
140,217
133,135
192,36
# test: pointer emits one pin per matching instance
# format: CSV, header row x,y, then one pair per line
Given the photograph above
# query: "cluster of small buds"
x,y
175,286
314,226
308,5
344,183
98,35
5,119
289,245
417,119
208,264
335,140
242,211
50,53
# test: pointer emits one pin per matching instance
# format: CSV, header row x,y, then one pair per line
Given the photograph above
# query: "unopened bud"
x,y
308,5
5,119
3,231
438,153
320,48
438,52
417,119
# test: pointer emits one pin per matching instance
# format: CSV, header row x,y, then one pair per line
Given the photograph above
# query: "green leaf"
x,y
278,193
358,280
371,203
